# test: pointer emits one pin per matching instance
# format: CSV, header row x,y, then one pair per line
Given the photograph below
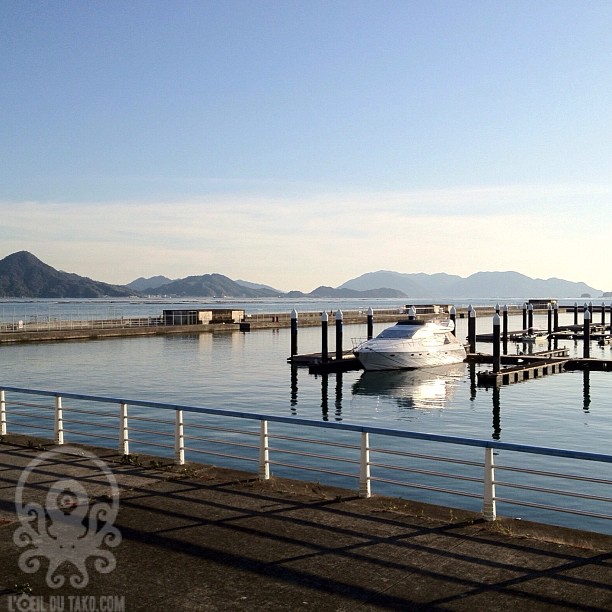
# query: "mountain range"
x,y
22,275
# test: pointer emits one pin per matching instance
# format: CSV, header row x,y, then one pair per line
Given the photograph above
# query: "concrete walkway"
x,y
204,538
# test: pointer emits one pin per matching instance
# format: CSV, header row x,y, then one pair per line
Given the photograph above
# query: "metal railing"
x,y
435,468
42,324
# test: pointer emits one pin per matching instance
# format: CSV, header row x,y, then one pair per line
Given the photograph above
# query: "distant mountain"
x,y
414,285
143,284
259,286
211,285
23,275
330,292
480,285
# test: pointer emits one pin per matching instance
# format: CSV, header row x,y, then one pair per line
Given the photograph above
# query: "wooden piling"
x,y
339,335
472,329
549,313
505,328
496,346
370,323
586,347
294,332
575,313
324,340
453,318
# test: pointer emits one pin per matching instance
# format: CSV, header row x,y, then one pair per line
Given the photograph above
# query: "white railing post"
x,y
124,440
179,440
488,509
2,413
59,421
264,452
364,466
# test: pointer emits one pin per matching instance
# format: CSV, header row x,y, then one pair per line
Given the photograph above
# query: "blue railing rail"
x,y
271,449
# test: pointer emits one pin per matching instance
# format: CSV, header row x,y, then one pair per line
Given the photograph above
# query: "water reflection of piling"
x,y
338,396
294,387
325,396
586,389
496,413
473,385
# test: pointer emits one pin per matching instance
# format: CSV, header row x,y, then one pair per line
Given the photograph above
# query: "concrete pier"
x,y
205,538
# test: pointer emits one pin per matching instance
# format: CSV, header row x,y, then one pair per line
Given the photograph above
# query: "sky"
x,y
304,143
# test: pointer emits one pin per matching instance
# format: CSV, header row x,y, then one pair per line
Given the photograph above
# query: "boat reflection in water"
x,y
423,388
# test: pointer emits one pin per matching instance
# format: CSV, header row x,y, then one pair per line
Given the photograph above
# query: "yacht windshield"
x,y
398,332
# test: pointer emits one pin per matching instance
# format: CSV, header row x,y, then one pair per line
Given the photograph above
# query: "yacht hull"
x,y
407,358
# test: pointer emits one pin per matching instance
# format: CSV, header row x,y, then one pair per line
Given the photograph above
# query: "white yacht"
x,y
411,344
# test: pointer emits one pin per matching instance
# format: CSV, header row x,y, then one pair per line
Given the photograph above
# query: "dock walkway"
x,y
204,538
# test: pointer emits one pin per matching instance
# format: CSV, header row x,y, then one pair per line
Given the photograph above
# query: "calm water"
x,y
249,371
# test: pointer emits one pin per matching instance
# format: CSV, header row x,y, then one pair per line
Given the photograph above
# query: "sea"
x,y
248,371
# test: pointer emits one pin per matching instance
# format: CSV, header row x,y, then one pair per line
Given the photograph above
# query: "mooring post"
x,y
603,314
505,328
591,310
496,347
575,313
549,312
453,318
412,313
530,319
497,309
524,316
472,329
370,323
338,334
556,316
294,332
586,349
610,326
324,341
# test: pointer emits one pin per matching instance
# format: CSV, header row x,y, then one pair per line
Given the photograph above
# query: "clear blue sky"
x,y
305,143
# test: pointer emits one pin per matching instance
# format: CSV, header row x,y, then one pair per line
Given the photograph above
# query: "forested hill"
x,y
24,276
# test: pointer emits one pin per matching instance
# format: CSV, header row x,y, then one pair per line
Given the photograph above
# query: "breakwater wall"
x,y
41,329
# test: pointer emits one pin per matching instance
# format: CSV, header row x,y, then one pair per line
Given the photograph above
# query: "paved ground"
x,y
203,538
